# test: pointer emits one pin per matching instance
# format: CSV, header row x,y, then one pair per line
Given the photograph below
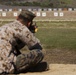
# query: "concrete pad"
x,y
57,69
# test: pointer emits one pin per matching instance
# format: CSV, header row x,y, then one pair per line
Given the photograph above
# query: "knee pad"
x,y
25,61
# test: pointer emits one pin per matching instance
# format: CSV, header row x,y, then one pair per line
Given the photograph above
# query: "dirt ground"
x,y
61,62
56,69
58,56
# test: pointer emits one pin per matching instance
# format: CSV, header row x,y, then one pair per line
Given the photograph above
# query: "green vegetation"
x,y
41,3
57,24
68,3
26,4
46,3
4,22
58,35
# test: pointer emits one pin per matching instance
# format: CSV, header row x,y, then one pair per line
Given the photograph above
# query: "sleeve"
x,y
29,39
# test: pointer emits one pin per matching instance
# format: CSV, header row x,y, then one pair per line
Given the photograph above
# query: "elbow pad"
x,y
36,46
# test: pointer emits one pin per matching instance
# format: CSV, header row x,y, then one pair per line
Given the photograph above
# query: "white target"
x,y
3,14
44,14
38,14
55,13
61,14
15,14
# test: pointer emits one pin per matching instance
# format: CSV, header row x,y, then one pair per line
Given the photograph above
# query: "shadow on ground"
x,y
43,66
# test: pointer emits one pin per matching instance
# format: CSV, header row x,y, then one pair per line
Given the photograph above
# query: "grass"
x,y
59,35
57,38
4,22
58,24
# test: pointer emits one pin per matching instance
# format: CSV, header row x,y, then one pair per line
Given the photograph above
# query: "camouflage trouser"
x,y
30,59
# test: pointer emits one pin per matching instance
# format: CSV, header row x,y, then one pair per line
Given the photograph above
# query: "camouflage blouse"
x,y
9,34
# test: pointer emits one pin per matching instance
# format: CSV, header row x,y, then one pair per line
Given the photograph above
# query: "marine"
x,y
13,37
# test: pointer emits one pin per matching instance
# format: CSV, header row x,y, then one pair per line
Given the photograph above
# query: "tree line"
x,y
42,3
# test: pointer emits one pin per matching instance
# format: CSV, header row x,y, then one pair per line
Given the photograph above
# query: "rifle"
x,y
33,27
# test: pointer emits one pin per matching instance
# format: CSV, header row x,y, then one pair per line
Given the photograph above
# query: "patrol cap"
x,y
27,14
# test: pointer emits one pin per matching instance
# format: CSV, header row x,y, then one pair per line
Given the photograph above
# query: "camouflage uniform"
x,y
9,34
